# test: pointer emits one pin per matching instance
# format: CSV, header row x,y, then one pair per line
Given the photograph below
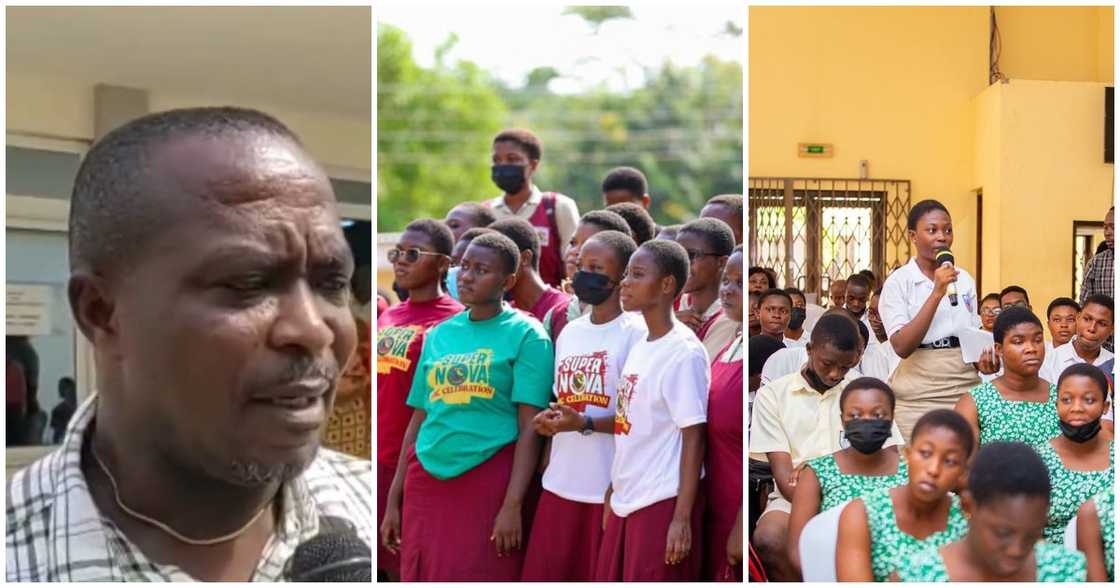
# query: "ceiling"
x,y
314,59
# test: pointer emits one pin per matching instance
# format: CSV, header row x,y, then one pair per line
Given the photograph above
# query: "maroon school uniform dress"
x,y
400,337
723,463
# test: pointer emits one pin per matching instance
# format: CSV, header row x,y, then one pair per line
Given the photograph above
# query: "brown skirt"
x,y
927,380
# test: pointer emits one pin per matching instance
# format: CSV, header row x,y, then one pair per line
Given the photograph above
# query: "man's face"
x,y
726,214
1094,325
705,268
1062,323
1013,299
855,299
773,314
233,327
831,364
510,153
1109,229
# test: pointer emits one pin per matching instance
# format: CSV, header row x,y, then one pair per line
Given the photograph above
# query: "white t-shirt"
x,y
879,361
589,359
1064,356
906,291
663,389
799,342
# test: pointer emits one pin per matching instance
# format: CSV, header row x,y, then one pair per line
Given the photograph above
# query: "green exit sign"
x,y
814,150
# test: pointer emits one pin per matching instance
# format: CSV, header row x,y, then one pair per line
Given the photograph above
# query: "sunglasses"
x,y
409,255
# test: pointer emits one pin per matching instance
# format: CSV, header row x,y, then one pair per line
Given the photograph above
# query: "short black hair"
x,y
867,383
732,201
621,244
669,232
921,209
523,138
113,207
1011,318
791,291
1014,288
837,330
1088,370
504,246
1101,299
759,349
717,234
607,221
774,292
523,235
473,232
1060,302
945,418
642,227
629,179
870,275
671,259
754,269
858,280
990,296
1004,469
442,239
483,215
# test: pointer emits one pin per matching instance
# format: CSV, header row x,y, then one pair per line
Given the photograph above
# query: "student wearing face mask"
x,y
796,330
880,530
1018,405
590,353
516,156
1081,460
866,410
591,224
1006,501
786,428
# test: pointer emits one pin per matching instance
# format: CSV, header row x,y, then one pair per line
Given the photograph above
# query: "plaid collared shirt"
x,y
56,534
1099,276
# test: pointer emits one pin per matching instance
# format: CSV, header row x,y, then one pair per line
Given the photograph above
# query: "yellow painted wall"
x,y
1052,173
986,175
892,85
1061,43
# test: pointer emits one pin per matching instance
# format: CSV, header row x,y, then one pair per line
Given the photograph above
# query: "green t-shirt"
x,y
469,380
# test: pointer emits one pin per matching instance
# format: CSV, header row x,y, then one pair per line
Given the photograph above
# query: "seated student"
x,y
709,243
872,281
880,359
878,531
419,260
1014,296
1094,327
989,310
1018,405
723,462
793,357
470,450
796,330
468,215
729,209
786,427
590,354
836,292
668,232
452,281
1061,321
774,307
1006,501
754,326
857,291
866,410
1096,535
625,184
759,280
590,224
642,226
530,293
655,505
1081,460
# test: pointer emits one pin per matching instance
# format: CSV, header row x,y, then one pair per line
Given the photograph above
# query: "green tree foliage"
x,y
683,128
597,15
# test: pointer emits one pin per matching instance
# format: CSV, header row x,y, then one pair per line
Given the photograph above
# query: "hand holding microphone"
x,y
945,276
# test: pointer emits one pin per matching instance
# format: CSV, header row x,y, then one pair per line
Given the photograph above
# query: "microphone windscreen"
x,y
331,557
944,255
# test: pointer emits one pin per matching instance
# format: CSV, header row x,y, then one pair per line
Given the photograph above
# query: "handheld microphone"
x,y
331,556
945,256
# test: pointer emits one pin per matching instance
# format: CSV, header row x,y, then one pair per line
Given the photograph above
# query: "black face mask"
x,y
591,288
867,435
1080,433
510,178
796,318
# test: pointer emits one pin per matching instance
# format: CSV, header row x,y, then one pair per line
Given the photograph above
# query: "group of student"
x,y
560,397
930,468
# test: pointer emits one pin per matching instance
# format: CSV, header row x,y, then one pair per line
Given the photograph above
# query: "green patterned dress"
x,y
1106,513
1069,489
890,546
1033,423
837,487
1055,563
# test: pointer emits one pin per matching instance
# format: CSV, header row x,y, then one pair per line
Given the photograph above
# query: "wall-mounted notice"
x,y
28,309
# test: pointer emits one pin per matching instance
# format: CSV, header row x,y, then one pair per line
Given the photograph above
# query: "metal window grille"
x,y
813,231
